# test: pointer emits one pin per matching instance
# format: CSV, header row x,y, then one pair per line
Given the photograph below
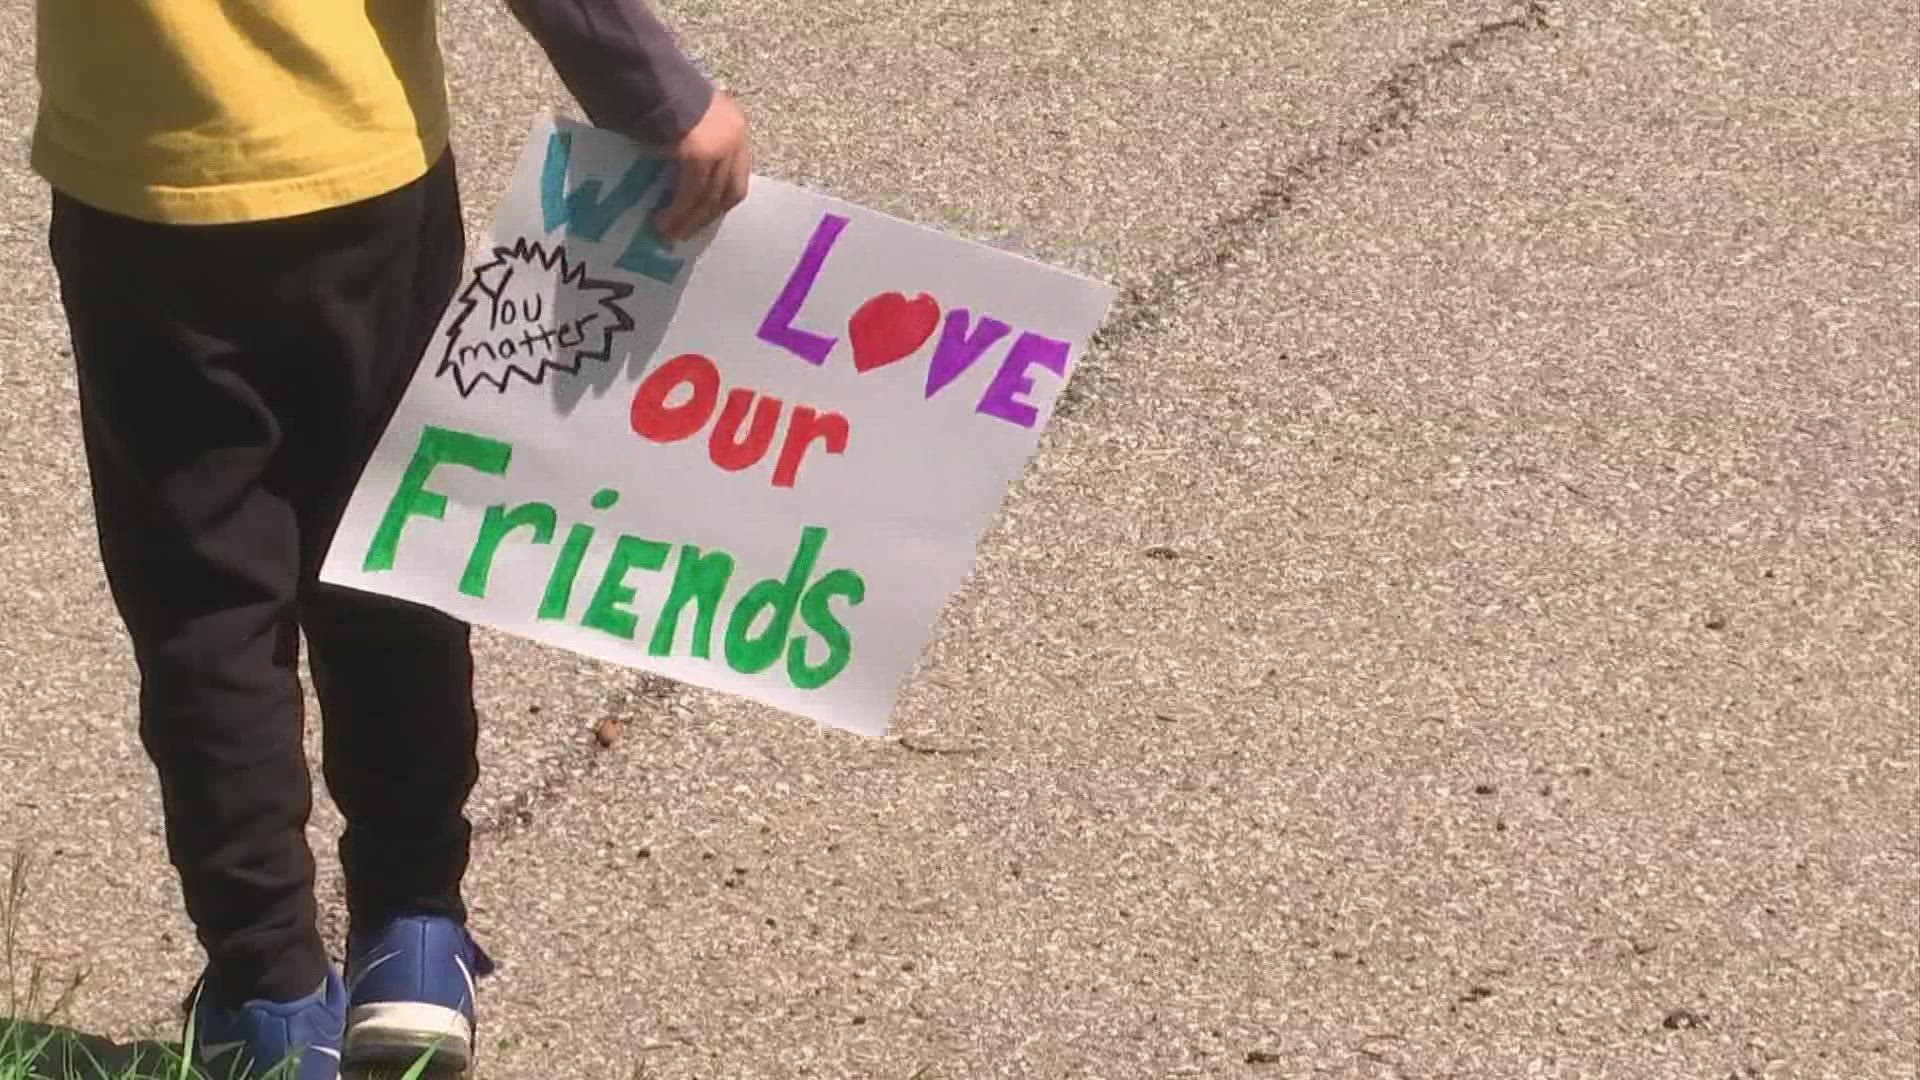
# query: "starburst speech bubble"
x,y
528,312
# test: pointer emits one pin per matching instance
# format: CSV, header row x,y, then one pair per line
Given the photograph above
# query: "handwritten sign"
x,y
758,462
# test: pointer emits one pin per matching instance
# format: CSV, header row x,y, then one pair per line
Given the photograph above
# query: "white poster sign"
x,y
757,462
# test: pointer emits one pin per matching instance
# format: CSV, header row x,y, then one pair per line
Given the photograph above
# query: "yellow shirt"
x,y
215,111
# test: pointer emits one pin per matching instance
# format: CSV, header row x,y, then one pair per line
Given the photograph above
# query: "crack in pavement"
x,y
557,773
1142,308
560,770
1139,311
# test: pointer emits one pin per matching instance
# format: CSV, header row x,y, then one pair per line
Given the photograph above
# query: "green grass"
x,y
32,1039
30,1013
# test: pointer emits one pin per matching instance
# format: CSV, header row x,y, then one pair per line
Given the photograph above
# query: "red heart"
x,y
891,327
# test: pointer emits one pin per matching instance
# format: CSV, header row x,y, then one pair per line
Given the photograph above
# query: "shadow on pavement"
x,y
66,1054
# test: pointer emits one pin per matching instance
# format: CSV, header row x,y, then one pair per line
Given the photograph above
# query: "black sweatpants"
x,y
233,380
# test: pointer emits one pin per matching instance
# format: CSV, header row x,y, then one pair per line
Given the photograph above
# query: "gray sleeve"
x,y
621,64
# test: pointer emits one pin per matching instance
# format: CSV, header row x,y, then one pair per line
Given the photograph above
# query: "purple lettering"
x,y
1002,398
777,328
958,349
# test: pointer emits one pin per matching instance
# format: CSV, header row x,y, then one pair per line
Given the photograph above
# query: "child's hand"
x,y
714,167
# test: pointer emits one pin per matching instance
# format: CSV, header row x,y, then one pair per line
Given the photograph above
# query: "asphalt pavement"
x,y
1460,625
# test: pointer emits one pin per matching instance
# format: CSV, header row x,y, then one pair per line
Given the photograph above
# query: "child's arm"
x,y
624,68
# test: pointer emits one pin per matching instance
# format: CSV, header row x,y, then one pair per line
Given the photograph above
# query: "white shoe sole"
x,y
397,1033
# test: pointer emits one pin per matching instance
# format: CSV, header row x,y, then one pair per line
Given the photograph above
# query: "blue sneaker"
x,y
269,1040
410,989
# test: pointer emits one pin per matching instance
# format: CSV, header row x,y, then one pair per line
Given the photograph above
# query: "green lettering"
x,y
438,446
608,610
499,524
701,578
559,594
748,654
814,610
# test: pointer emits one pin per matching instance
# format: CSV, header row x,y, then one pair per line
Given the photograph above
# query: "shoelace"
x,y
483,964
